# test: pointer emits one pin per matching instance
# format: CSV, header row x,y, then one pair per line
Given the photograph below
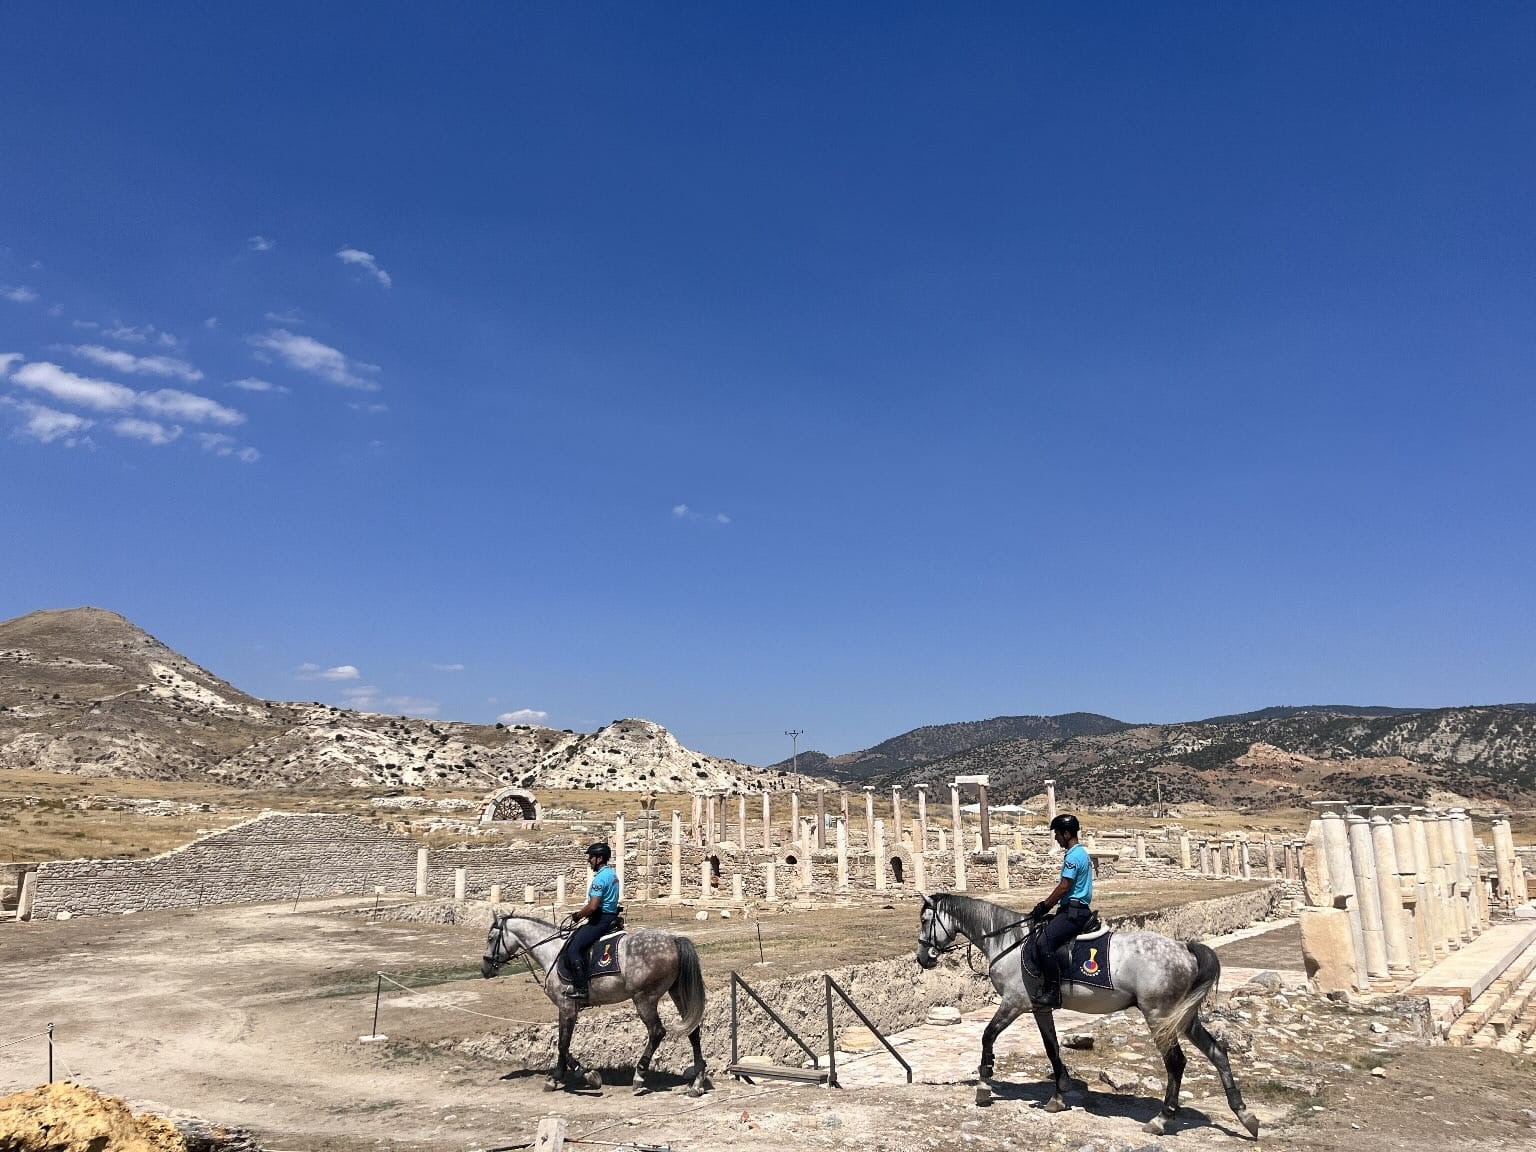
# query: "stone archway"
x,y
511,804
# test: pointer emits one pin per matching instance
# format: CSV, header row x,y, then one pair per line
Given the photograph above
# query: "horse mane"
x,y
978,917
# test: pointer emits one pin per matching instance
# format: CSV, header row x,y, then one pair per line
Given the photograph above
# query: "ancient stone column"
x,y
1504,861
1184,861
1218,861
1389,893
697,819
1205,858
770,892
922,817
986,816
842,856
528,894
869,817
459,883
704,879
738,892
1412,887
1141,846
878,853
741,821
767,822
980,847
495,893
1244,862
940,831
794,817
725,807
677,855
956,820
896,813
959,857
821,819
1341,881
1362,858
1269,858
559,892
1427,851
1456,883
1050,801
421,871
1466,851
27,896
920,872
805,857
618,853
1002,868
1018,840
709,822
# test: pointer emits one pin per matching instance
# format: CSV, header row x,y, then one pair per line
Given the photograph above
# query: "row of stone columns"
x,y
1400,884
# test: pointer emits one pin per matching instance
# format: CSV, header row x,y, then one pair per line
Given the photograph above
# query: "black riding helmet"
x,y
1066,822
601,851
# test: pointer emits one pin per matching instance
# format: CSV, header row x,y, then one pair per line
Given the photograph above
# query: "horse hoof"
x,y
1155,1126
641,1090
1250,1122
694,1091
551,1085
592,1080
1055,1105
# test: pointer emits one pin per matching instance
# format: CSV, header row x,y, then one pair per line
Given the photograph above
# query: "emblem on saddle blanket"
x,y
1085,961
605,956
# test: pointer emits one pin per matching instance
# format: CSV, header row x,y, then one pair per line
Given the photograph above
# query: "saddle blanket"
x,y
1089,961
605,955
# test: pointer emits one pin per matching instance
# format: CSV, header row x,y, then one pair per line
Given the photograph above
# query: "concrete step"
x,y
1503,1021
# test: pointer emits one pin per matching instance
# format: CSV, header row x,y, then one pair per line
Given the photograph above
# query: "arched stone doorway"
x,y
510,804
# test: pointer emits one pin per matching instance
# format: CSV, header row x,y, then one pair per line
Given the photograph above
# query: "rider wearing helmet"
x,y
1075,893
597,915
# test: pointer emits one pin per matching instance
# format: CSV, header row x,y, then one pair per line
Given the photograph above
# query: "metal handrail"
x,y
833,986
737,981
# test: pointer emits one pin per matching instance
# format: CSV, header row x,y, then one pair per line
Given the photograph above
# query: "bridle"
x,y
500,958
929,939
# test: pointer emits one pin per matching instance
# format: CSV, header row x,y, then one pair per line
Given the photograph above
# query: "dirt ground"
x,y
251,1016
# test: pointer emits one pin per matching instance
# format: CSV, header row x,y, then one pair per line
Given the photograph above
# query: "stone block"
x,y
1327,949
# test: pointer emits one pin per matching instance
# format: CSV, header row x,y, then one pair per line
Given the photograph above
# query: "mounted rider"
x,y
597,916
1074,893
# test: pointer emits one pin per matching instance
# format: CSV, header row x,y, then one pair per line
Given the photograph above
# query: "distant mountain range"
x,y
1272,757
85,691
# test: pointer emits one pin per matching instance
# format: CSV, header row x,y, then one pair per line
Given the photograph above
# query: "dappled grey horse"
x,y
1167,980
652,964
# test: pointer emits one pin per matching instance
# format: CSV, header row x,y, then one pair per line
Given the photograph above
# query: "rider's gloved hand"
x,y
1039,911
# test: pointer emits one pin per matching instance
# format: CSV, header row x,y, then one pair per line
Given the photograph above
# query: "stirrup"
x,y
1047,998
574,993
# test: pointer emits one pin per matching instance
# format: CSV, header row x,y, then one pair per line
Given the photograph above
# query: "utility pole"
x,y
794,735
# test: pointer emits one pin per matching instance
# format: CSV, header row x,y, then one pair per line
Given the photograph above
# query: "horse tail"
x,y
687,989
1177,1019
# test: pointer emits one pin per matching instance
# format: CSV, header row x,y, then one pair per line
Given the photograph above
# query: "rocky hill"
x,y
84,691
1277,757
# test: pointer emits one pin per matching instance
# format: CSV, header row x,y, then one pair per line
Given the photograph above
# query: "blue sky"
x,y
781,366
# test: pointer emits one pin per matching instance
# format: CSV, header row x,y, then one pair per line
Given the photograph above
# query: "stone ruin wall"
x,y
276,856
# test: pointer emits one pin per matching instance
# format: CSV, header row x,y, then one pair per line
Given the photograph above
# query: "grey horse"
x,y
1167,980
652,964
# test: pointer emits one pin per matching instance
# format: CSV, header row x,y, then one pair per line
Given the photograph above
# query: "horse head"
x,y
497,950
935,933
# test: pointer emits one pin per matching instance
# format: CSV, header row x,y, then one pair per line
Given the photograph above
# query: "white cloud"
x,y
371,409
137,365
221,445
289,317
446,667
309,355
85,391
19,294
129,334
88,325
255,384
683,512
211,323
49,424
6,360
261,243
523,716
55,310
365,261
178,405
150,431
340,672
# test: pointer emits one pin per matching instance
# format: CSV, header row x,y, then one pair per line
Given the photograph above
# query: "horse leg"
x,y
1005,1015
1046,1019
701,1082
654,1034
567,1026
1216,1052
1173,1062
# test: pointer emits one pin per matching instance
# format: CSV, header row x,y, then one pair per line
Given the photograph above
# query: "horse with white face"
x,y
1166,980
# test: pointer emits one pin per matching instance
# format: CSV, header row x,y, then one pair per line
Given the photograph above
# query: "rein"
x,y
525,949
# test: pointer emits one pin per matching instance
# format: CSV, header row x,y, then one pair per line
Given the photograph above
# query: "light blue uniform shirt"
x,y
605,884
1078,868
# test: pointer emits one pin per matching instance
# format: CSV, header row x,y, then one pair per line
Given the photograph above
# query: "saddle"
x,y
602,956
1084,959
